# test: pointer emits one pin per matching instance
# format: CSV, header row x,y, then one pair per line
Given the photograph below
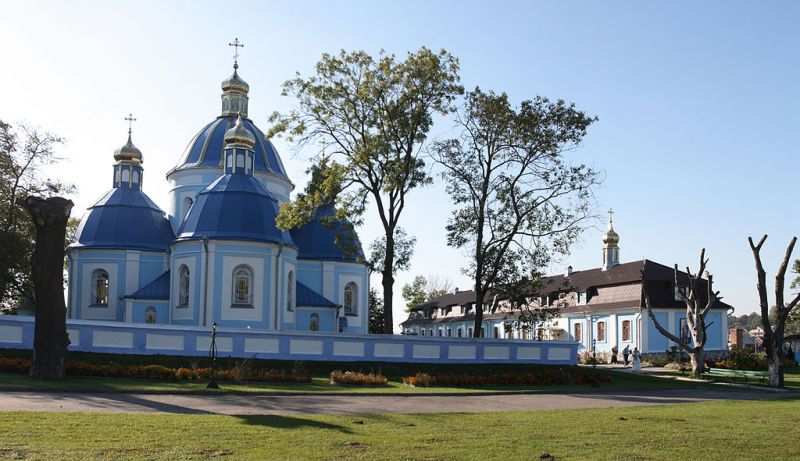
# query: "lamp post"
x,y
213,353
594,353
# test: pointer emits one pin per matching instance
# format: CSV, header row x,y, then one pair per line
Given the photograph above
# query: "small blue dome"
x,y
234,207
205,150
124,218
327,241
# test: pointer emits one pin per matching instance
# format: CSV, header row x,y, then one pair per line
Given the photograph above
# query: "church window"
x,y
601,332
183,286
116,176
187,203
150,315
229,161
439,332
458,332
351,299
496,332
100,288
626,330
239,160
449,332
290,292
577,332
136,177
313,323
242,286
126,175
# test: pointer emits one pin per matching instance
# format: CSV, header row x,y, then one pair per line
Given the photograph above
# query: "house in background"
x,y
600,308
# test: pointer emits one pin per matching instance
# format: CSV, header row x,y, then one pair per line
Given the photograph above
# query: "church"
x,y
216,255
600,308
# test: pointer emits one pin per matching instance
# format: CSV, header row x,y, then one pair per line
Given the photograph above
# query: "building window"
x,y
150,315
290,292
242,286
430,332
439,332
449,332
601,332
183,287
187,204
135,177
126,175
469,332
626,330
351,299
577,332
422,332
458,332
496,332
680,290
581,297
313,323
100,288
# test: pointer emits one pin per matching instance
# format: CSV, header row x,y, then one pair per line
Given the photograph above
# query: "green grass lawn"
x,y
319,384
714,431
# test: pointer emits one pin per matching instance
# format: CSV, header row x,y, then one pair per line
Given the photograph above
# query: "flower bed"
x,y
550,377
355,378
239,373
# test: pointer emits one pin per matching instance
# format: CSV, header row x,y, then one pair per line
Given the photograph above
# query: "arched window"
x,y
458,332
150,315
242,286
496,333
116,176
577,335
183,287
136,177
313,323
351,299
290,292
626,330
187,203
100,288
126,175
601,331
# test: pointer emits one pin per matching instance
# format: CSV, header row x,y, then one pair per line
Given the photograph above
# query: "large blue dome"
x,y
234,207
206,148
324,238
124,218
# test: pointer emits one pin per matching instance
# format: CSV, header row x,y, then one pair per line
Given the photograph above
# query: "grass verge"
x,y
709,431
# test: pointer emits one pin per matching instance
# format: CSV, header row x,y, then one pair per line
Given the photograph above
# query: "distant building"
x,y
602,306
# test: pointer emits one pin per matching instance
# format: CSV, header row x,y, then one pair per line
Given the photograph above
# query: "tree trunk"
x,y
775,364
47,270
478,315
698,358
388,283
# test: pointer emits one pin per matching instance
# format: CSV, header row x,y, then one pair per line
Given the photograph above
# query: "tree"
x,y
47,268
23,152
370,117
699,298
774,331
518,202
423,289
375,312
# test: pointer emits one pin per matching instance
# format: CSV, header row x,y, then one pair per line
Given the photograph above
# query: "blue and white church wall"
x,y
344,283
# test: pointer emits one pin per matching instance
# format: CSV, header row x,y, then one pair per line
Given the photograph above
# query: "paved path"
x,y
352,404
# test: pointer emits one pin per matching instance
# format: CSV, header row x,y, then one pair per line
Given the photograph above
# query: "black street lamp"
x,y
594,353
213,353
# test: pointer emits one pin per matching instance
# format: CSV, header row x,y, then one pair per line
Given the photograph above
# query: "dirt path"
x,y
353,404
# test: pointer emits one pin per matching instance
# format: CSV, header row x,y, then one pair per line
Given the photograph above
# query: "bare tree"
x,y
697,308
773,334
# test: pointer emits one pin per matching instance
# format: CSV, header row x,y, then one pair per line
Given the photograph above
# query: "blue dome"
x,y
336,241
205,150
234,207
124,218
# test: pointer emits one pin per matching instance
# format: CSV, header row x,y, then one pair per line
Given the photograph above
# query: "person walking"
x,y
625,353
637,362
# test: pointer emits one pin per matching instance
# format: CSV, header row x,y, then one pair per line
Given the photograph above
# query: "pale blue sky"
x,y
697,102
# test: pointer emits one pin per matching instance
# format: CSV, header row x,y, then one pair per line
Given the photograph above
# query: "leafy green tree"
x,y
23,153
369,118
375,312
518,202
423,289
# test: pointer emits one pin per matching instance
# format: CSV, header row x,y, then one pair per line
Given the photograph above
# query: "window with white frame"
x,y
577,332
100,288
183,286
601,332
242,286
150,315
313,323
290,292
626,330
581,297
351,299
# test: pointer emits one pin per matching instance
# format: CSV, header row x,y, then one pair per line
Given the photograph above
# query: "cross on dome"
x,y
130,121
236,44
611,215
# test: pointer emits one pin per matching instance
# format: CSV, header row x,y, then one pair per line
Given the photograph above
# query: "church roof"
x,y
157,289
329,241
234,207
310,298
205,150
124,218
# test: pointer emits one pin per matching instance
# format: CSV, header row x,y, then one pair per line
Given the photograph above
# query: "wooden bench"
x,y
736,375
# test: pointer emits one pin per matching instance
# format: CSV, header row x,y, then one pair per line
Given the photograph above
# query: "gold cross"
x,y
610,215
130,121
236,45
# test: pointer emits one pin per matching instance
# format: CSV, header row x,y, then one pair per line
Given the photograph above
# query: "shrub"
x,y
545,377
419,379
15,365
741,358
356,378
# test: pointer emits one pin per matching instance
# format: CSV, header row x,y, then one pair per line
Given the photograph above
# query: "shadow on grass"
x,y
290,422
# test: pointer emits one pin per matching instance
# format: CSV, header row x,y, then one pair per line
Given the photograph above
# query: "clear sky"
x,y
697,102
